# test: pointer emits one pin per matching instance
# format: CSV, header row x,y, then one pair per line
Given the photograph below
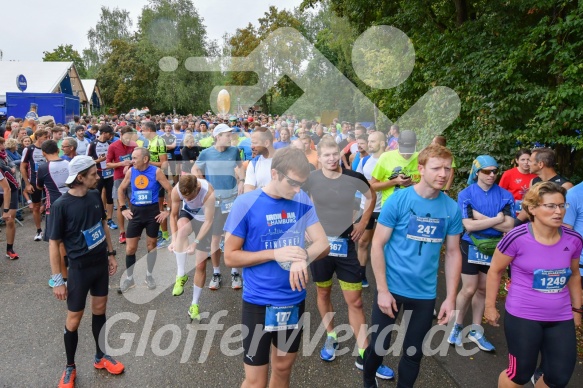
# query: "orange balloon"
x,y
223,102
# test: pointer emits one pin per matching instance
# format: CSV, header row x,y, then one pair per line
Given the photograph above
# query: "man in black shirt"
x,y
333,190
78,220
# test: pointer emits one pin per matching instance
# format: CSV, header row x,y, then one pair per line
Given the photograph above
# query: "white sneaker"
x,y
38,236
236,281
215,282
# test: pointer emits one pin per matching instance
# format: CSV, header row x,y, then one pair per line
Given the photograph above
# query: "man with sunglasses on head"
x,y
487,213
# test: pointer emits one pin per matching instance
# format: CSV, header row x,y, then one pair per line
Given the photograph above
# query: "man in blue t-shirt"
x,y
265,234
220,165
413,225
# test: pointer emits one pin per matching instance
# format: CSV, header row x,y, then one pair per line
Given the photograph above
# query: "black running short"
x,y
470,268
36,196
371,222
144,217
257,343
13,199
87,274
347,269
106,184
205,244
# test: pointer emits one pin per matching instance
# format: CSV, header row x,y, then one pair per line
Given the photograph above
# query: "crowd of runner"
x,y
277,198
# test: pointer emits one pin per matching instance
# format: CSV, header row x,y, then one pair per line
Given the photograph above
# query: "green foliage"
x,y
132,75
517,67
65,53
113,25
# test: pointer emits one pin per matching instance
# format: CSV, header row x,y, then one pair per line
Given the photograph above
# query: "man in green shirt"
x,y
398,168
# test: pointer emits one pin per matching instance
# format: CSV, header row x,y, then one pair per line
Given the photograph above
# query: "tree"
x,y
113,25
66,53
174,29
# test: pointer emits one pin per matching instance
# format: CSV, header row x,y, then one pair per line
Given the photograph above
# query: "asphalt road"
x,y
153,337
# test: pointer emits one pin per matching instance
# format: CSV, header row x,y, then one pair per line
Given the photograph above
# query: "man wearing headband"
x,y
487,213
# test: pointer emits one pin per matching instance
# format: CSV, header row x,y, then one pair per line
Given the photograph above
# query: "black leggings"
x,y
419,325
556,342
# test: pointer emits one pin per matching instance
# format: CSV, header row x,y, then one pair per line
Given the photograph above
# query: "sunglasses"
x,y
489,172
292,182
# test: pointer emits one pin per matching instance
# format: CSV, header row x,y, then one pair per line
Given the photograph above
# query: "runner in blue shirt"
x,y
487,212
265,234
413,225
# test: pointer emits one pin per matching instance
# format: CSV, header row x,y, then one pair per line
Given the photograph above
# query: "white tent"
x,y
90,87
42,77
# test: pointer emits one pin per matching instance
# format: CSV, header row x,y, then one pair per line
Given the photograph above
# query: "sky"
x,y
50,24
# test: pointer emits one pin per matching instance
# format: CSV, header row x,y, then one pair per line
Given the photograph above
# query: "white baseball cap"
x,y
221,128
78,164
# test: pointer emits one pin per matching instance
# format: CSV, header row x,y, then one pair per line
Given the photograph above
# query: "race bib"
x,y
226,205
169,156
550,281
186,208
426,229
123,158
518,205
94,235
143,197
338,247
282,317
107,173
477,257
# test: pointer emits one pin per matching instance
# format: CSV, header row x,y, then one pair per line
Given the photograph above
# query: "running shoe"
x,y
68,378
383,371
216,281
480,340
163,243
179,285
455,337
328,352
109,364
236,281
122,238
193,312
127,284
538,373
365,283
38,236
112,225
12,255
150,282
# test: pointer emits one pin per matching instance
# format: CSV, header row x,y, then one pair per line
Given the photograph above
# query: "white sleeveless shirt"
x,y
195,207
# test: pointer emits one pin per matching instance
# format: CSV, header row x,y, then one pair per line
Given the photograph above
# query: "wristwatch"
x,y
112,253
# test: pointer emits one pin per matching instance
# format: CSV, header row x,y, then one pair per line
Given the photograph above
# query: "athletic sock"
x,y
9,247
180,263
38,231
165,235
196,294
97,323
152,255
71,339
234,271
130,261
363,272
361,352
217,270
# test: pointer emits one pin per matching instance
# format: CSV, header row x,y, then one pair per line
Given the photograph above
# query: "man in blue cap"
x,y
487,213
